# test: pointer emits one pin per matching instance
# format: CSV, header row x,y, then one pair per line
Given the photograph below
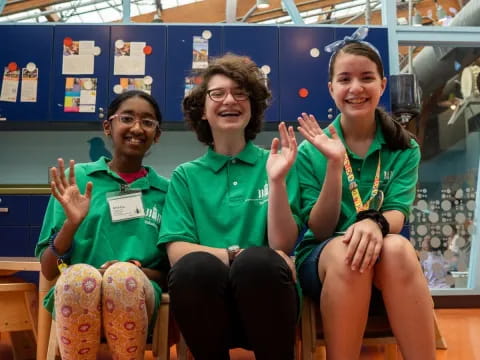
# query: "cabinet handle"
x,y
3,210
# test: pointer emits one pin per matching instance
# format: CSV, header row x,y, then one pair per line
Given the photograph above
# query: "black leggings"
x,y
253,304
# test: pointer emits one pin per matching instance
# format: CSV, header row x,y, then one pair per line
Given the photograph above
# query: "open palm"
x,y
74,204
280,162
332,147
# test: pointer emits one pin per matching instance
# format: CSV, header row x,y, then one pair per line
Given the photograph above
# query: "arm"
x,y
281,225
325,213
75,206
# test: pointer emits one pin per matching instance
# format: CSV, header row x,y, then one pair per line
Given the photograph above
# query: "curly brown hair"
x,y
247,75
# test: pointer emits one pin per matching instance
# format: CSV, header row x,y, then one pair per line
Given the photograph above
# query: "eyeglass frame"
x,y
227,92
137,118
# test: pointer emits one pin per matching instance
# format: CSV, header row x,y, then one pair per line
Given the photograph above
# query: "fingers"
x,y
352,246
88,190
292,143
71,174
274,147
61,170
282,129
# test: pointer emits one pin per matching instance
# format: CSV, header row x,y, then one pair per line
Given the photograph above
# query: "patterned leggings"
x,y
122,301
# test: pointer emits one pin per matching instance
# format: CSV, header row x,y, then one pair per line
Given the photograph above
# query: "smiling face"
x,y
356,86
228,115
132,139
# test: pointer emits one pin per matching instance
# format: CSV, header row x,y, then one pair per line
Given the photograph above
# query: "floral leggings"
x,y
121,302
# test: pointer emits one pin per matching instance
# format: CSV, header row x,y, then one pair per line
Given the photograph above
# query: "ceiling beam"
x,y
230,11
13,7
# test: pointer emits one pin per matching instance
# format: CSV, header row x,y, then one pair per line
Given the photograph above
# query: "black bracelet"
x,y
377,217
64,256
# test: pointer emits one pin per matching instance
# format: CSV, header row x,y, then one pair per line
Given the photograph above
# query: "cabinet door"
x,y
379,38
303,74
36,209
100,34
24,44
155,63
15,241
260,43
180,47
13,210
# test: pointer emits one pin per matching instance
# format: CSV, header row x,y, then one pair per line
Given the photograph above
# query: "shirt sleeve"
x,y
401,187
178,222
52,223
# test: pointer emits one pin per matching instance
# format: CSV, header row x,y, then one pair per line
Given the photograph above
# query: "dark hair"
x,y
120,99
397,137
247,75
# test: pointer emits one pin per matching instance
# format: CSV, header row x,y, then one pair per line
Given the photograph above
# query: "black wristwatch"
x,y
232,252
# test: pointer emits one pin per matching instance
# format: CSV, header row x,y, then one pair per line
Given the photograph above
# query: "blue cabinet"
x,y
100,34
260,43
155,63
304,73
180,45
23,44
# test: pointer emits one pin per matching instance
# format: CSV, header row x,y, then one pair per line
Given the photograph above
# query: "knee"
x,y
197,270
398,258
79,277
123,276
260,265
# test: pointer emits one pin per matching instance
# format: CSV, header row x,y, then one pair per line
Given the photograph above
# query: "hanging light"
x,y
263,4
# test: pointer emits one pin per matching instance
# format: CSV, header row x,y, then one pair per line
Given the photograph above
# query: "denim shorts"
x,y
312,286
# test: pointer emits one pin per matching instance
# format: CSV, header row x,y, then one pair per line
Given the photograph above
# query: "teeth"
x,y
356,101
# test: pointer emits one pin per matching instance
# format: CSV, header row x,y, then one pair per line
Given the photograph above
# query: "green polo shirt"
x,y
398,180
98,239
219,200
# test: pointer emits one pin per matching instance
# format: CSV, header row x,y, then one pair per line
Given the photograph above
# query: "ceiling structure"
x,y
213,11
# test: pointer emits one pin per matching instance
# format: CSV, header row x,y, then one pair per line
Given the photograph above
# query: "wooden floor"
x,y
459,327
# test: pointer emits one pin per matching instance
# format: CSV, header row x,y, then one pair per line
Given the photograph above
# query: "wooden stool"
x,y
19,304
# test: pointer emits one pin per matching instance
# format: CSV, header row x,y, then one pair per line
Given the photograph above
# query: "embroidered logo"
x,y
262,195
387,174
153,217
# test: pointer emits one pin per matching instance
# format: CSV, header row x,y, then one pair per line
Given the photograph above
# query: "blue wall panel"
x,y
101,35
379,38
23,44
179,62
298,69
155,63
261,44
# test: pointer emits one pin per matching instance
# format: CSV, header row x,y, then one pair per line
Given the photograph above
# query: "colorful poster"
x,y
190,82
78,57
129,58
80,94
142,84
29,85
10,85
200,53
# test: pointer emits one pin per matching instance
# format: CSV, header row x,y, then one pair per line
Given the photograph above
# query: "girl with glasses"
x,y
358,181
230,219
100,237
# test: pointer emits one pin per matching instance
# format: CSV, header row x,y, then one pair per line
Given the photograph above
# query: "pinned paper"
x,y
143,84
80,94
29,84
129,58
78,56
200,53
10,85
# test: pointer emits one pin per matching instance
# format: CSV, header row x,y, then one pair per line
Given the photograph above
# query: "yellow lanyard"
x,y
353,186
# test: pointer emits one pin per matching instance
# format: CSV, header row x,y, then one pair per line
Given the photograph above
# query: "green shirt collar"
x,y
151,180
376,144
216,161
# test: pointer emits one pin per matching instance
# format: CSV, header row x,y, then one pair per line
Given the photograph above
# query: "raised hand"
x,y
74,204
332,147
280,162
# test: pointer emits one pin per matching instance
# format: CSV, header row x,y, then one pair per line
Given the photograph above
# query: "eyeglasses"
x,y
220,94
130,119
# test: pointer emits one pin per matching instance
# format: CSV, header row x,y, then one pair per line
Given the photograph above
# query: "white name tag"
x,y
126,207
